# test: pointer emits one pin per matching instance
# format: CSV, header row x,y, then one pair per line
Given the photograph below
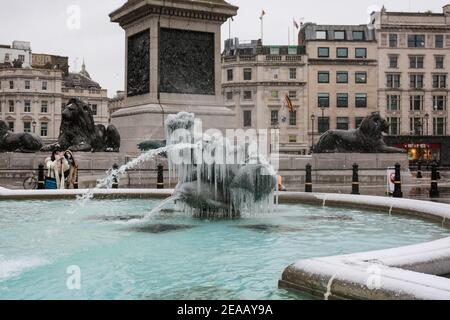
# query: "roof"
x,y
78,80
309,30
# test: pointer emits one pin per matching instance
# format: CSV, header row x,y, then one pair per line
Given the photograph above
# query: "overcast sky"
x,y
47,25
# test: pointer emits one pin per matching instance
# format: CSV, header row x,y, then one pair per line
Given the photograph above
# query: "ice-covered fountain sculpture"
x,y
217,179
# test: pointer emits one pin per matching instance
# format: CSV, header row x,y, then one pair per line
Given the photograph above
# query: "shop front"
x,y
423,152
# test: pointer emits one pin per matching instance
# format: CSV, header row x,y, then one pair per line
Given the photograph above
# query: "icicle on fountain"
x,y
216,178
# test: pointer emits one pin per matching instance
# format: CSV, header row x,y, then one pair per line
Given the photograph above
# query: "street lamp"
x,y
34,123
427,117
313,120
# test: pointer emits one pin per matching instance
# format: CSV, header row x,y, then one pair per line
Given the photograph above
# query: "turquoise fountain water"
x,y
172,255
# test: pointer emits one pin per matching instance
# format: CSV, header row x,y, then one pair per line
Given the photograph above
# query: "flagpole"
x,y
262,29
289,36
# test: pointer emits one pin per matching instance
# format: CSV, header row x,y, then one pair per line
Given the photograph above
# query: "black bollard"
x,y
75,184
434,191
308,178
160,182
355,181
115,184
41,177
419,170
398,182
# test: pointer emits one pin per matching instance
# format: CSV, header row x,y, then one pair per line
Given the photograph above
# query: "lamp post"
x,y
427,117
34,123
313,120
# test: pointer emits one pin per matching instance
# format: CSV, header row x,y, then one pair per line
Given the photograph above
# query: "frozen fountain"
x,y
216,177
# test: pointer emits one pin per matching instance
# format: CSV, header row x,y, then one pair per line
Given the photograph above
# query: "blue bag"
x,y
50,183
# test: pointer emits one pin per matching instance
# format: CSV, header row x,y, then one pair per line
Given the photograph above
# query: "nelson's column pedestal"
x,y
172,65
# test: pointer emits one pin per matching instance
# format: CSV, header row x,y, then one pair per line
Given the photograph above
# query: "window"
x,y
416,103
358,121
393,61
439,41
323,52
439,61
229,95
358,35
292,50
292,138
6,57
94,109
44,129
275,73
342,52
274,117
293,118
323,77
247,118
416,62
44,85
321,35
323,124
274,50
416,41
21,58
27,106
361,77
439,81
439,126
274,94
27,84
292,73
293,94
11,85
393,40
342,77
416,126
324,100
361,53
247,95
416,81
11,105
393,80
247,74
393,103
230,75
394,126
361,100
44,106
11,126
439,103
342,100
339,35
342,123
27,127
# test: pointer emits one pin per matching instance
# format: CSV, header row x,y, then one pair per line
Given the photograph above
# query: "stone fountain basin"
x,y
412,272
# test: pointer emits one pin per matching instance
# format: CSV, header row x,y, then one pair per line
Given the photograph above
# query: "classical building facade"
x,y
30,100
342,76
32,96
256,80
414,66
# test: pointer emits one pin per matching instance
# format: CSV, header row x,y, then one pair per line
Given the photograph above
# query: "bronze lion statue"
x,y
18,142
368,138
78,131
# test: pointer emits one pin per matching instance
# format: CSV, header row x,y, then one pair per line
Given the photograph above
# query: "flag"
x,y
263,13
296,24
289,103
